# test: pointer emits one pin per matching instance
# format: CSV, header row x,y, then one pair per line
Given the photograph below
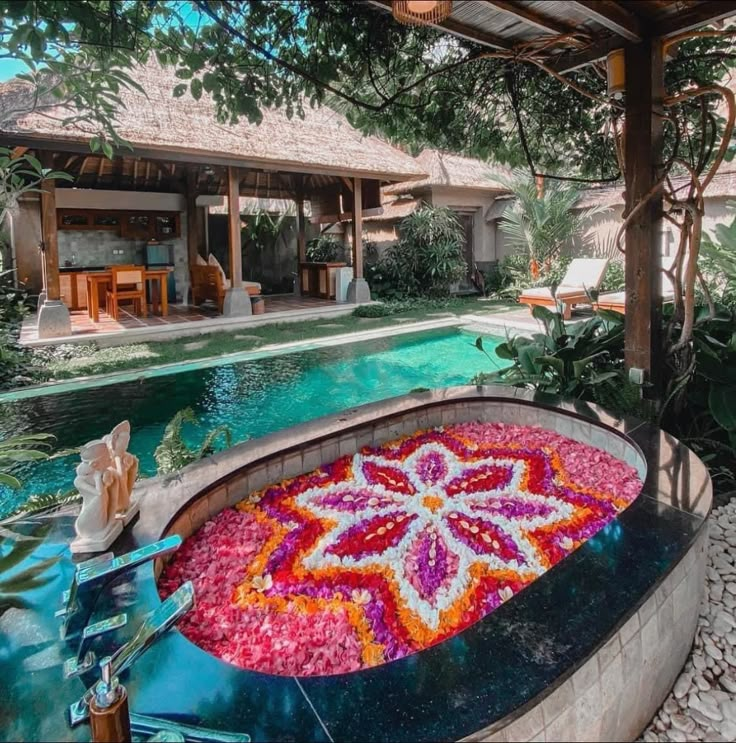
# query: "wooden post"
x,y
301,237
49,233
357,228
233,232
194,219
643,159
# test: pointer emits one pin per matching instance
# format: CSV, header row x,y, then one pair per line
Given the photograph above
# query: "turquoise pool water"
x,y
252,398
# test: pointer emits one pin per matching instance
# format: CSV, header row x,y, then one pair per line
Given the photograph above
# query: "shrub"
x,y
16,363
427,259
397,306
325,249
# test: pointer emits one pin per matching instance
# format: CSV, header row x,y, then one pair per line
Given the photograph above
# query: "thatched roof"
x,y
395,210
322,142
723,185
447,169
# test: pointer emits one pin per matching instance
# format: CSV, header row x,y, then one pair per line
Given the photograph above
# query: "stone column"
x,y
358,289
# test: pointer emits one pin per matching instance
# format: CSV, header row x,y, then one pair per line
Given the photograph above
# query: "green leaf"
x,y
179,90
196,88
722,405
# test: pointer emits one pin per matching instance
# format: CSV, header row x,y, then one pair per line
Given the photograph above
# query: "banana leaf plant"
x,y
32,447
568,358
15,583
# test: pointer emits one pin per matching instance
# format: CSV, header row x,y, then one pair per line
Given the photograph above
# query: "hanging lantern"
x,y
616,74
421,12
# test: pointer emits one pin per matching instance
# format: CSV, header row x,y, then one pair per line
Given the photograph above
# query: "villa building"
x,y
147,206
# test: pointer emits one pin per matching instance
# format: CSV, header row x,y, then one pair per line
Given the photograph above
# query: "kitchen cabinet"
x,y
134,225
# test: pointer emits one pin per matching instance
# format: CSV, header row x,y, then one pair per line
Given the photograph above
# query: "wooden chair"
x,y
208,283
128,284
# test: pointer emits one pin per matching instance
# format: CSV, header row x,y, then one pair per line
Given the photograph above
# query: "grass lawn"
x,y
71,361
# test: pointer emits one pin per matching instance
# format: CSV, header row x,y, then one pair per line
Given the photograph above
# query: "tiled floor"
x,y
178,314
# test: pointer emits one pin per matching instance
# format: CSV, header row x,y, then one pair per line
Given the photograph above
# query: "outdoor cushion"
x,y
201,261
544,292
585,273
212,260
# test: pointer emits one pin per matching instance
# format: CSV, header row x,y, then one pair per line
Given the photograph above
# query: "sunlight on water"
x,y
252,398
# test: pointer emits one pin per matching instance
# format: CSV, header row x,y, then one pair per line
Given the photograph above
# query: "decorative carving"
x,y
105,479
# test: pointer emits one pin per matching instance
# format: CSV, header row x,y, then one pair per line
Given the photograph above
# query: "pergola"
x,y
564,36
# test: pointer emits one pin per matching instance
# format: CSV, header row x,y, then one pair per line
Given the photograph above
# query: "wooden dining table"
x,y
99,280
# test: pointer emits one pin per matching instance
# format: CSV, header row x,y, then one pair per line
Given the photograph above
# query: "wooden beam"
x,y
357,228
613,16
233,227
464,31
193,217
693,17
643,156
531,17
49,232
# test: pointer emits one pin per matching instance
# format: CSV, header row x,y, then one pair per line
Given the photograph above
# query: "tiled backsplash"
x,y
104,248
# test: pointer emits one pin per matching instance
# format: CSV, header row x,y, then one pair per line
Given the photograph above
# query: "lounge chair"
x,y
616,301
582,276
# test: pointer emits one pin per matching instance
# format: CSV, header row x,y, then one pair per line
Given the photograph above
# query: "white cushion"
x,y
214,262
543,292
200,261
585,273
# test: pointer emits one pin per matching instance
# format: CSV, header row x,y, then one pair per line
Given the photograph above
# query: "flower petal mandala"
x,y
382,554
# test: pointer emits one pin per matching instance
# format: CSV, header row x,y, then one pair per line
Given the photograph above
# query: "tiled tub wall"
x,y
615,694
298,460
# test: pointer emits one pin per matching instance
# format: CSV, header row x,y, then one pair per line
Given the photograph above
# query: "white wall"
x,y
603,228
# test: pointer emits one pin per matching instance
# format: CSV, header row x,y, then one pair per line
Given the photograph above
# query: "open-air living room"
x,y
367,371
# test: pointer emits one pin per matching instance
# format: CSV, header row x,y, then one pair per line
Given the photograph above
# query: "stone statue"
x,y
125,466
96,526
105,480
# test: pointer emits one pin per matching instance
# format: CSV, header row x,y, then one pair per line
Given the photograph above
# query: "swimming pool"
x,y
252,398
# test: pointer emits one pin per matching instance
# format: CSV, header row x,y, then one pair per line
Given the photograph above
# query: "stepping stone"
x,y
194,345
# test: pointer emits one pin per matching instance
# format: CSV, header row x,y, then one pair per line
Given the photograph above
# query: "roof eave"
x,y
206,157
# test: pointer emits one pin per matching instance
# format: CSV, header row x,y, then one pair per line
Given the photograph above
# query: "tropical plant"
x,y
14,583
174,452
718,261
31,447
541,221
568,359
325,249
20,175
262,229
43,503
427,258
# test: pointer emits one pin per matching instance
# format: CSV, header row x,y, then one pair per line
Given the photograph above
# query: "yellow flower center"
x,y
432,502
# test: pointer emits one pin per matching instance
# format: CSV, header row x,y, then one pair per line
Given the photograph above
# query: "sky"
x,y
9,68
